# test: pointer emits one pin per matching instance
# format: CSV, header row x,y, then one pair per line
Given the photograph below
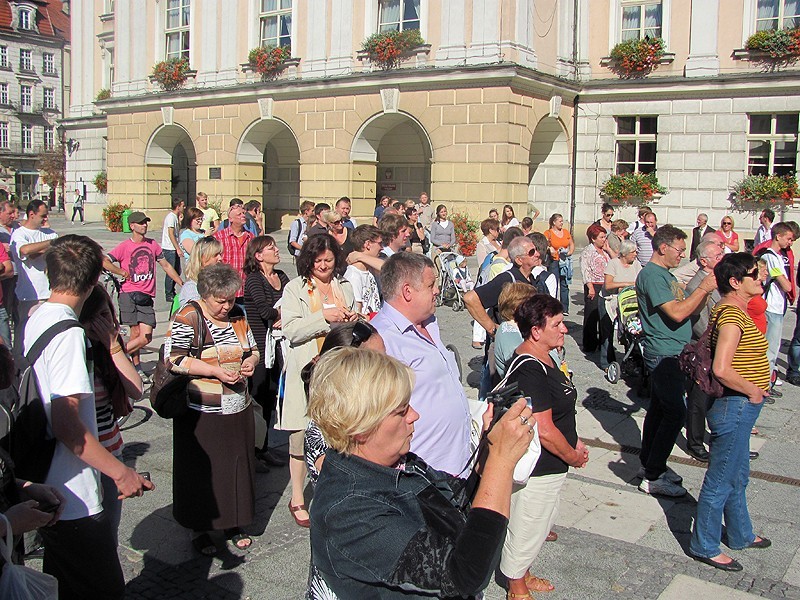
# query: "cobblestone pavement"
x,y
613,540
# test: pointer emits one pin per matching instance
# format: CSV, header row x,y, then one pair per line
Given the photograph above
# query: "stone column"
x,y
703,41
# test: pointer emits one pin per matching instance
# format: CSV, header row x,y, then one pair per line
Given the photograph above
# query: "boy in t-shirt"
x,y
367,240
137,258
210,216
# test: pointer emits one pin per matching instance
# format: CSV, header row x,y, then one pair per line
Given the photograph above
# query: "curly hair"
x,y
313,247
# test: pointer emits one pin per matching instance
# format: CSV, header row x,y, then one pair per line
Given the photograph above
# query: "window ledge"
x,y
49,74
190,74
6,68
668,58
290,66
760,56
107,17
419,54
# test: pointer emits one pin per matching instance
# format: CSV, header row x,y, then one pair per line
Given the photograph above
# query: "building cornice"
x,y
83,122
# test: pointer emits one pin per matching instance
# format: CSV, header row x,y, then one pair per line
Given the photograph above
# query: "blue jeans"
x,y
730,418
793,355
774,330
666,415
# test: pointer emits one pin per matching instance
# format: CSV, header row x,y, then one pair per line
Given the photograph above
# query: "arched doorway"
x,y
271,146
171,160
401,150
549,171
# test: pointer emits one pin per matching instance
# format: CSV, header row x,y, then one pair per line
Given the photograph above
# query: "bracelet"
x,y
116,350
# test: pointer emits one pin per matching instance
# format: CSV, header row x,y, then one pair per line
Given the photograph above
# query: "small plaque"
x,y
215,172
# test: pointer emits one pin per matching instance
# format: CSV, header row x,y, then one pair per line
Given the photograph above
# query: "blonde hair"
x,y
344,411
204,249
512,296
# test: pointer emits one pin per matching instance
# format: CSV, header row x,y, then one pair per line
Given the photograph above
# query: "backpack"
x,y
540,282
289,239
23,422
696,360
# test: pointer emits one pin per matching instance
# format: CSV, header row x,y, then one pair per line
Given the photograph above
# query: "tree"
x,y
53,166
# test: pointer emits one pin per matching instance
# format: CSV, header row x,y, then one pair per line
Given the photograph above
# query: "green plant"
x,y
631,189
386,48
101,182
171,74
103,94
779,44
268,61
756,192
112,215
637,58
466,233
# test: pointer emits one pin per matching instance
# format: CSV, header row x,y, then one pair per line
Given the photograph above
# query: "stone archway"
x,y
400,150
549,168
268,158
171,167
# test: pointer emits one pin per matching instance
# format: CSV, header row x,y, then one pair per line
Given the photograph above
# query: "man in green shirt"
x,y
665,312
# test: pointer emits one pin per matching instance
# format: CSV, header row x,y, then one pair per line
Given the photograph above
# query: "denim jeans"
x,y
774,329
730,418
169,285
666,415
5,327
793,355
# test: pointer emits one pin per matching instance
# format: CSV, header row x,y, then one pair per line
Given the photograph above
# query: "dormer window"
x,y
26,18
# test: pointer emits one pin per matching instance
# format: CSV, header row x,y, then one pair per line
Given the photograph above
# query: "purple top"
x,y
442,433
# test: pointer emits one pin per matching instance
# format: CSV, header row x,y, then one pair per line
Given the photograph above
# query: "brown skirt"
x,y
213,470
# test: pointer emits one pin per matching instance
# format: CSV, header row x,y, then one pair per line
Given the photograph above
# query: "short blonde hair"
x,y
512,296
344,411
203,249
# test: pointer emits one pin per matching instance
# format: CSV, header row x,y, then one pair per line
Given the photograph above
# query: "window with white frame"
x,y
25,18
636,144
398,15
49,98
777,14
27,137
25,98
49,138
4,135
177,29
25,60
48,63
276,22
4,64
640,20
772,144
3,93
108,58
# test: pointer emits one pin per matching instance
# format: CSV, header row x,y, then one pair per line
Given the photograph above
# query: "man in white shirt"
x,y
764,231
395,232
28,244
367,242
170,231
776,287
80,549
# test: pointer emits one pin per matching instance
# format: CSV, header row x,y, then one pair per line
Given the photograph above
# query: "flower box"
x,y
289,70
172,74
633,59
387,49
268,61
754,193
632,189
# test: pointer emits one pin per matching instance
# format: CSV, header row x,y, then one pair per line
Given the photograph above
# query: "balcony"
x,y
44,109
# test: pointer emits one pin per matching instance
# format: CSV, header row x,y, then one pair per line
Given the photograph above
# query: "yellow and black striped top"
x,y
750,360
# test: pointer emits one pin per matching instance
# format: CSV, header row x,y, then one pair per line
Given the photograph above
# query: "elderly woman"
x,y
594,259
213,461
311,302
740,364
371,536
534,506
206,251
620,272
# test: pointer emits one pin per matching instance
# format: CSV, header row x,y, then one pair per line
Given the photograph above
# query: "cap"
x,y
137,217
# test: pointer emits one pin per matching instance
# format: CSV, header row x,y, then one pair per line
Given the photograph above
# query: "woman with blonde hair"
x,y
206,251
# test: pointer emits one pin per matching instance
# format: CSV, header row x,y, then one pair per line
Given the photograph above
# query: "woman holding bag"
x,y
534,505
263,288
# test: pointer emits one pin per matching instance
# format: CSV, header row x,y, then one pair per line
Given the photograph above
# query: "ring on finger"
x,y
530,429
523,419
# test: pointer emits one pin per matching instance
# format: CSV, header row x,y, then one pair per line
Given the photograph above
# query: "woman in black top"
x,y
263,287
534,506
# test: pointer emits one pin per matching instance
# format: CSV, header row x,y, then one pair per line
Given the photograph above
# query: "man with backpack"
x,y
297,231
80,549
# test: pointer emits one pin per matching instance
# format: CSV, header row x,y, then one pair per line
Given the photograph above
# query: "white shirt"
x,y
365,289
762,235
32,283
775,296
170,222
62,370
550,281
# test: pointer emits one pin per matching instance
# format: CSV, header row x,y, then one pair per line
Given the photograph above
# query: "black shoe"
x,y
272,458
769,400
775,393
731,566
754,455
793,379
764,543
700,455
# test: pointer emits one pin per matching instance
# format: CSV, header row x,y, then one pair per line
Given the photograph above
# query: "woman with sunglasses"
x,y
728,236
741,365
606,218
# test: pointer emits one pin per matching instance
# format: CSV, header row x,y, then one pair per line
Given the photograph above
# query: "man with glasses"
x,y
643,238
665,311
685,273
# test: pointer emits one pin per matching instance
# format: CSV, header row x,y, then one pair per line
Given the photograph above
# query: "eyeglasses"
x,y
361,333
752,274
727,223
678,250
533,252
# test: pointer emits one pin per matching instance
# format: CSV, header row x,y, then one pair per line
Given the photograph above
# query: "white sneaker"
x,y
778,381
669,475
661,487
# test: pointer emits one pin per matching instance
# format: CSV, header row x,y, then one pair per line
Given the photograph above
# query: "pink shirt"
x,y
139,260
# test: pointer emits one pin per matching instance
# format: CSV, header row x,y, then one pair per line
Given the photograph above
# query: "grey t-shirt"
x,y
700,320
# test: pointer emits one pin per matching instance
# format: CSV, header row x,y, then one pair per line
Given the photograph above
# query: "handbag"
x,y
141,299
168,393
23,583
696,361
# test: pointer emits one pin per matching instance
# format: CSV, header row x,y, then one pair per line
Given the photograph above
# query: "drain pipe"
x,y
573,179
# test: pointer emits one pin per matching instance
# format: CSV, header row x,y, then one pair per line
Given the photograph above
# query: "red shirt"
x,y
3,258
757,309
234,249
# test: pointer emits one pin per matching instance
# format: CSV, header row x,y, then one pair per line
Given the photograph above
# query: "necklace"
x,y
728,235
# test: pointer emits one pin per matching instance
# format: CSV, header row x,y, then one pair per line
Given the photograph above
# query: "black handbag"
x,y
168,393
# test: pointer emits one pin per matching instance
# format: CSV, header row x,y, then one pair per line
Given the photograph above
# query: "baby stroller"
x,y
454,279
628,326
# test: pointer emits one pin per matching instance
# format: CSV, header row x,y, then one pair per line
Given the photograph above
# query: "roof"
x,y
50,18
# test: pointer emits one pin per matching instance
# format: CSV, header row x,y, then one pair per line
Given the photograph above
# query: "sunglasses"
x,y
727,223
752,274
361,333
533,252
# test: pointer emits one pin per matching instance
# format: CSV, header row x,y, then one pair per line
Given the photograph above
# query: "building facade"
x,y
507,102
34,36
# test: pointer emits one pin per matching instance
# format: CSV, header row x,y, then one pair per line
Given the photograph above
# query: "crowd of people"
x,y
349,358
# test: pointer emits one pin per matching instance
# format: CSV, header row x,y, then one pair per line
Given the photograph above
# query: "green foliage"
x,y
386,48
637,58
757,192
780,44
268,61
112,215
103,94
631,189
171,74
101,182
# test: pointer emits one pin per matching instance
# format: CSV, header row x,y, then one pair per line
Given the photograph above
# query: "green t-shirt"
x,y
655,286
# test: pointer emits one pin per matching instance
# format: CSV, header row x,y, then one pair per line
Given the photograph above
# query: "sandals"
x,y
511,596
551,537
537,584
204,545
294,510
240,539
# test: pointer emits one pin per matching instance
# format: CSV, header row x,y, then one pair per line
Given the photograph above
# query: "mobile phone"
x,y
48,507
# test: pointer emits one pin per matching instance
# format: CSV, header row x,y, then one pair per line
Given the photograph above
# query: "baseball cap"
x,y
137,217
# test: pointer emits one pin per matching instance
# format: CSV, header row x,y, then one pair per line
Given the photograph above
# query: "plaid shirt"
x,y
233,251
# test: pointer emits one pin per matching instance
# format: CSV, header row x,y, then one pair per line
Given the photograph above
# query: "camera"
x,y
504,398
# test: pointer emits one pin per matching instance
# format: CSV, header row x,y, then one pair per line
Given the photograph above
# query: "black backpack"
x,y
540,282
23,422
289,239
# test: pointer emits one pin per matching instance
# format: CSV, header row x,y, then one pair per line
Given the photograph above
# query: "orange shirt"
x,y
558,242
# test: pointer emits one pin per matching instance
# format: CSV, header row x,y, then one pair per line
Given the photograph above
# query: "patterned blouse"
x,y
593,264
